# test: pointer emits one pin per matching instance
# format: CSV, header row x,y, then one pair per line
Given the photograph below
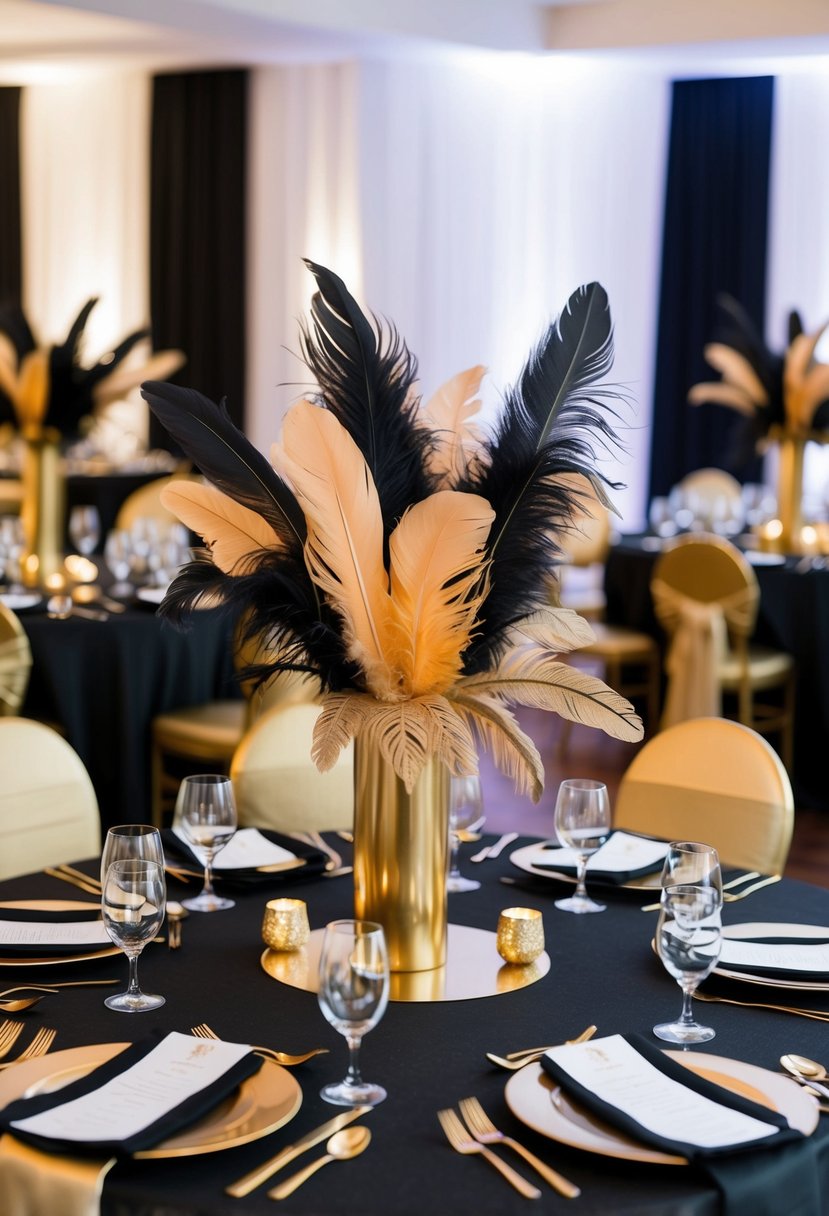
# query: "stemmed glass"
x,y
688,941
465,808
132,906
85,529
206,815
689,862
353,994
131,842
118,557
582,822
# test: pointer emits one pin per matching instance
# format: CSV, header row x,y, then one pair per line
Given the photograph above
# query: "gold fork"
x,y
39,1046
203,1031
461,1142
517,1059
731,897
819,1015
485,1132
9,1033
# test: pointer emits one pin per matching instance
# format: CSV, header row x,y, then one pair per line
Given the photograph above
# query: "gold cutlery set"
x,y
203,1031
729,895
9,1034
92,886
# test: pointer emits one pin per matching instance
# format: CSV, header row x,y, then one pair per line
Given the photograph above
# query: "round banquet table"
x,y
793,616
428,1056
104,682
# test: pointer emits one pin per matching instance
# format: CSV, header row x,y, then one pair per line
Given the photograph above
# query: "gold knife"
x,y
265,1171
276,867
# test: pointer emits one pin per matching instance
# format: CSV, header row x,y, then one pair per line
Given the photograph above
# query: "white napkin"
x,y
247,850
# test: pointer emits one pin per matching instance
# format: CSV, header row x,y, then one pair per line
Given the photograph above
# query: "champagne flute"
x,y
688,941
132,906
353,994
206,816
465,808
689,862
131,842
583,824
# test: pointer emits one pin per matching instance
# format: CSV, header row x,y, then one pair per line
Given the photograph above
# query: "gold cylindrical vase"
x,y
790,491
400,857
43,508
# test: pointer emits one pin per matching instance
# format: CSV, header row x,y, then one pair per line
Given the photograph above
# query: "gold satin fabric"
x,y
33,1183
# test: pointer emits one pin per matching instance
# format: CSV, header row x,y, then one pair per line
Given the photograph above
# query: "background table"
x,y
793,616
105,681
426,1055
107,492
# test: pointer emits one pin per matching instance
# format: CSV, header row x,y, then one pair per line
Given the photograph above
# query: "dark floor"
x,y
590,753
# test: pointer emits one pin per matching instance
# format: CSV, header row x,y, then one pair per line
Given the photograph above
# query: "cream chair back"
x,y
15,662
145,503
277,784
48,808
716,781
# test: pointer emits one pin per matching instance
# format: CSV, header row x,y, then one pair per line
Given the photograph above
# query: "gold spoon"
x,y
805,1070
342,1146
21,1003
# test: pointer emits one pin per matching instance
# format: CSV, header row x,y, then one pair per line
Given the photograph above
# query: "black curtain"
x,y
10,238
197,231
714,241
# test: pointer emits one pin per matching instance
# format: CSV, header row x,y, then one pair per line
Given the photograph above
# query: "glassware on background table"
x,y
118,557
582,823
691,862
132,906
661,517
206,815
466,806
353,994
12,545
84,529
131,842
688,941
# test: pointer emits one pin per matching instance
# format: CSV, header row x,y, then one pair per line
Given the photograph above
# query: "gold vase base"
x,y
473,969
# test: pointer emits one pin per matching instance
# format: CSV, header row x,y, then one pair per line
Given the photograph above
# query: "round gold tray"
x,y
473,969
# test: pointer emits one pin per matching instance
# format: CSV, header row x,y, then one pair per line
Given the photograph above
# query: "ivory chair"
x,y
48,809
15,662
712,780
710,572
712,495
278,786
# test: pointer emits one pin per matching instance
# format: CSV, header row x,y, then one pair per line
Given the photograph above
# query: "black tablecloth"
x,y
103,682
794,616
426,1055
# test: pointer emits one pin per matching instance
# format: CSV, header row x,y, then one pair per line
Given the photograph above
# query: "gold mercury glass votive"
x,y
285,924
520,937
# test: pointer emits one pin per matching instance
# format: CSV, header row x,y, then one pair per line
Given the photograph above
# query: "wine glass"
x,y
353,994
132,906
131,842
688,941
689,862
583,824
206,815
465,808
85,529
118,557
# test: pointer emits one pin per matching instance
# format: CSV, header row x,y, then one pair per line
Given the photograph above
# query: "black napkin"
x,y
167,1125
765,1177
313,858
594,871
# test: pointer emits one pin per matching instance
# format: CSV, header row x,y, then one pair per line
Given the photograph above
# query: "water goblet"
x,y
131,842
132,907
85,529
688,941
582,823
205,814
465,808
689,862
353,994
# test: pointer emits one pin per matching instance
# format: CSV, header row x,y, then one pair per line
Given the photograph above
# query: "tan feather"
x,y
805,382
559,629
437,585
233,532
32,389
341,719
344,549
448,415
719,393
514,753
115,386
532,676
736,369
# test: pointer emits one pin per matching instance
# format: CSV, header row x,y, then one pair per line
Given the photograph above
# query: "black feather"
x,y
737,330
551,425
365,381
228,459
109,362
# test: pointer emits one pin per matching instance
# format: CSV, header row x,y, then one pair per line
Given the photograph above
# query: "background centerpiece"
x,y
403,558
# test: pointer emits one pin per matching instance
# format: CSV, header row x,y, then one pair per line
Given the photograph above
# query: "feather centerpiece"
x,y
401,555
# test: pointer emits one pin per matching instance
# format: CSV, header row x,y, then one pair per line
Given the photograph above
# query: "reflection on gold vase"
x,y
400,857
791,449
43,508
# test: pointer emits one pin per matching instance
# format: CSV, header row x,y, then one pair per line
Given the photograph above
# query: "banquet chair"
x,y
706,598
15,662
713,780
48,809
278,786
711,494
145,503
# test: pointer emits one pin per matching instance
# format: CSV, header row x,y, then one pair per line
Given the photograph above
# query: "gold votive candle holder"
x,y
285,924
520,937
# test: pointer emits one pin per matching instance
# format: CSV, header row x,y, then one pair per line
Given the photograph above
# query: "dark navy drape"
x,y
10,235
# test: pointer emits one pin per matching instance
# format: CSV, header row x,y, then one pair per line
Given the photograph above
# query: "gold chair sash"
x,y
15,664
42,1184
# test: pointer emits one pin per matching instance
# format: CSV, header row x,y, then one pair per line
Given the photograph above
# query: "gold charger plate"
x,y
55,905
261,1104
535,1099
521,858
770,929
